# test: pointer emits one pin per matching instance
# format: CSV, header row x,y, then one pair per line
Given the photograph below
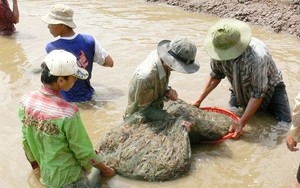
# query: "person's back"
x,y
85,47
8,18
256,83
148,87
49,126
252,73
150,80
53,136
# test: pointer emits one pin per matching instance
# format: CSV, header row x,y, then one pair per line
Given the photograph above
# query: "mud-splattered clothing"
x,y
54,136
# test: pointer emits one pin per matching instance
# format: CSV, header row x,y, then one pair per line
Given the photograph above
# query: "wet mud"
x,y
280,15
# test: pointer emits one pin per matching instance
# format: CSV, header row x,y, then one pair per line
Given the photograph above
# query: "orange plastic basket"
x,y
225,112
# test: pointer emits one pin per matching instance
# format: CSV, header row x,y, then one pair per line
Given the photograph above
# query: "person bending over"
x,y
53,135
256,83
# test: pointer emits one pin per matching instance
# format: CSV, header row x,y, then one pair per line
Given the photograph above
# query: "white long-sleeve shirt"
x,y
295,127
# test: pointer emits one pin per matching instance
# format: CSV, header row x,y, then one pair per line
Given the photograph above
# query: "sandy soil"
x,y
280,15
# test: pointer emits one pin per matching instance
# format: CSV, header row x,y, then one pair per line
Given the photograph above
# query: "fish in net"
x,y
207,125
159,150
139,151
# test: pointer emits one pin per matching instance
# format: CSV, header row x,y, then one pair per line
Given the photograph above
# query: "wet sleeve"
x,y
25,144
216,70
145,93
140,95
79,142
295,127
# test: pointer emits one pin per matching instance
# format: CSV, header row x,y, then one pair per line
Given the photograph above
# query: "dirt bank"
x,y
280,15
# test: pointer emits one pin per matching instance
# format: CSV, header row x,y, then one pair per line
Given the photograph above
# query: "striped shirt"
x,y
54,136
252,74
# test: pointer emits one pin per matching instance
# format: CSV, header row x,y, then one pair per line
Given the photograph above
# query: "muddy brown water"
x,y
129,30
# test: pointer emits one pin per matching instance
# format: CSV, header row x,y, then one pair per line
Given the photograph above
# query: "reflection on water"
x,y
129,30
12,63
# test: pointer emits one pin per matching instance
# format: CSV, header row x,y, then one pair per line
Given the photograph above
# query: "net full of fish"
x,y
160,150
207,125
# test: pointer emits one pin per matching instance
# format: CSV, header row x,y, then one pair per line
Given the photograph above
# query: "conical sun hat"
x,y
227,39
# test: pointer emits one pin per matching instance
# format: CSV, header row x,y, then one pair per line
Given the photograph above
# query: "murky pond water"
x,y
129,30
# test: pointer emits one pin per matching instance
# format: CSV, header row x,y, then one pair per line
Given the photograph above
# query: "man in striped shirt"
x,y
256,83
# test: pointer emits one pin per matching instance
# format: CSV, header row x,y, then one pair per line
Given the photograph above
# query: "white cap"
x,y
63,63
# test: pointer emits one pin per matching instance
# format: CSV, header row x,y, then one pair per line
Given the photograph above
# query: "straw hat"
x,y
179,54
227,39
60,14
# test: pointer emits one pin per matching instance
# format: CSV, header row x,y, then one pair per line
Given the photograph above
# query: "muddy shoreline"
x,y
280,15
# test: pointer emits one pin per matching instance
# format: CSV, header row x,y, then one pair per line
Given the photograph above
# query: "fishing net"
x,y
160,149
138,151
208,125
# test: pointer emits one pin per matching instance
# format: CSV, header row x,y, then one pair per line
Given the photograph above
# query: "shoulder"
x,y
87,37
53,45
216,64
68,110
39,105
6,14
148,68
259,47
257,53
26,98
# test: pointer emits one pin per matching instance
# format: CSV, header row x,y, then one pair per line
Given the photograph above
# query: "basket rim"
x,y
225,112
222,111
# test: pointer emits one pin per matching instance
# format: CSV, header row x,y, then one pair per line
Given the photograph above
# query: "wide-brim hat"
x,y
63,63
179,54
60,14
227,39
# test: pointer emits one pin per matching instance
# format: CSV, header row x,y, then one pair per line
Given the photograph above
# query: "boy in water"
x,y
54,138
85,47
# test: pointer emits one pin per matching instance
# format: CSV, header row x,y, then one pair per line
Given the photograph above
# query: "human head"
x,y
227,39
60,14
179,54
60,63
